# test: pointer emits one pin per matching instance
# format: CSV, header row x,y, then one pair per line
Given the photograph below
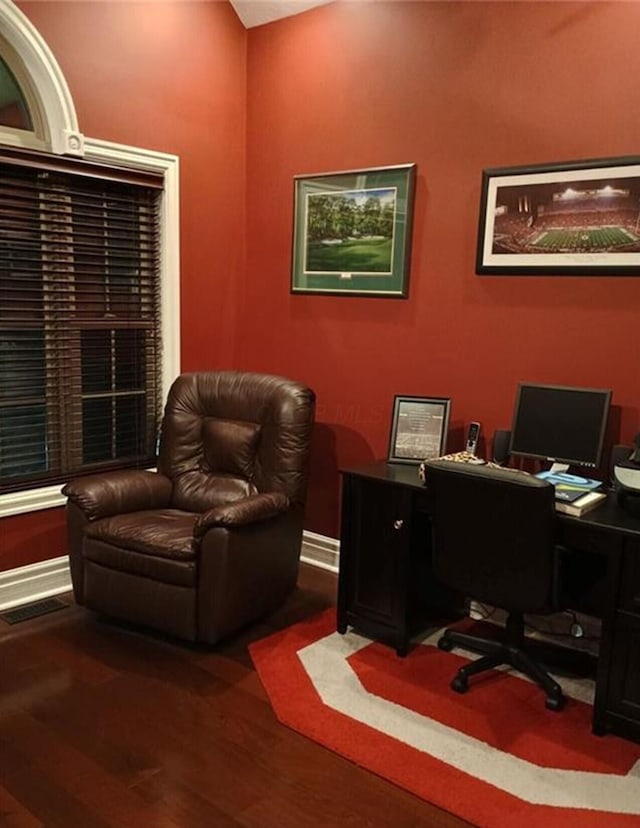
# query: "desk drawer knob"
x,y
398,524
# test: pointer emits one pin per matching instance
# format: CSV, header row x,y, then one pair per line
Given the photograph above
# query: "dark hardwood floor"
x,y
101,725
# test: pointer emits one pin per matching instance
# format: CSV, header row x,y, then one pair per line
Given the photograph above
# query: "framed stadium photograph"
x,y
575,218
352,232
419,427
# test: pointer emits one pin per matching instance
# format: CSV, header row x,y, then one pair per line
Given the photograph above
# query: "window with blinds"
x,y
80,381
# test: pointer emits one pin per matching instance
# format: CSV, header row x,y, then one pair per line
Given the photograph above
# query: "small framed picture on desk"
x,y
419,428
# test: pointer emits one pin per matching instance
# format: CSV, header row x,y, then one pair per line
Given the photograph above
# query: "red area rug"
x,y
495,756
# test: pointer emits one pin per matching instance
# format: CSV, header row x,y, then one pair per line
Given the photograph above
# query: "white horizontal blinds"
x,y
79,318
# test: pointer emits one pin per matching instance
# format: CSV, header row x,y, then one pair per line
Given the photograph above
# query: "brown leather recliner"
x,y
211,541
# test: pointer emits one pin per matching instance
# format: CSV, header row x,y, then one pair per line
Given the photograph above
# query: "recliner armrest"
x,y
242,512
119,492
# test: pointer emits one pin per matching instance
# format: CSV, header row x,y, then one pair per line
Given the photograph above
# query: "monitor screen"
x,y
564,425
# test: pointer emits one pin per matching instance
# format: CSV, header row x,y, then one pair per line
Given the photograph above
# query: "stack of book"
x,y
575,495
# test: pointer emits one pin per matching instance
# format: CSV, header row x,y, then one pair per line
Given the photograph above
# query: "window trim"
x,y
49,497
42,81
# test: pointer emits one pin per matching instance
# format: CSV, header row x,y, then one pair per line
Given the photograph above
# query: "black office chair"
x,y
493,540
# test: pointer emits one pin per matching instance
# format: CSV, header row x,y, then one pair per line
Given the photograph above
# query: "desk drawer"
x,y
629,597
585,537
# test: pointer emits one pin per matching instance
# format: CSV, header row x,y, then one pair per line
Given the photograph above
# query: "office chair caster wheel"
x,y
554,703
459,684
445,644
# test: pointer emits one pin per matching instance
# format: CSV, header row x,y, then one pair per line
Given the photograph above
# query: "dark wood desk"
x,y
386,588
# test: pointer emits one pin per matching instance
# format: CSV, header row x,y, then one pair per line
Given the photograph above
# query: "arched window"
x,y
37,113
14,109
31,70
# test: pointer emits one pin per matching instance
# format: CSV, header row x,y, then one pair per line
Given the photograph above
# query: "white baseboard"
x,y
321,551
42,580
47,578
34,582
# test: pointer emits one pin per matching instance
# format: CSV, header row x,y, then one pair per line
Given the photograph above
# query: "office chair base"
x,y
459,684
496,653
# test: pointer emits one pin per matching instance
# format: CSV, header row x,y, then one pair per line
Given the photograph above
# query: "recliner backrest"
x,y
493,534
227,434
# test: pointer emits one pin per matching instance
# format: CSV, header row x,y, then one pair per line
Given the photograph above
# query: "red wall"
x,y
170,77
454,87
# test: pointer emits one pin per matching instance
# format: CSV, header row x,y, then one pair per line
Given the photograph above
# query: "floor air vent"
x,y
24,613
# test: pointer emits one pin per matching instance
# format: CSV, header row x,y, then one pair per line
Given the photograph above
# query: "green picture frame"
x,y
352,232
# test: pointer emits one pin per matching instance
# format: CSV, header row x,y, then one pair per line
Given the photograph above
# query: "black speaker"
x,y
618,455
501,440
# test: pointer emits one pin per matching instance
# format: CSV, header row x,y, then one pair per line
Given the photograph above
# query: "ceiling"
x,y
256,12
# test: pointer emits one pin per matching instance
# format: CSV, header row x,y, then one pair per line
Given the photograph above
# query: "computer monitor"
x,y
563,425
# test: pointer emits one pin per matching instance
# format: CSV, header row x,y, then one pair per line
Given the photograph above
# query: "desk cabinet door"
x,y
377,541
624,682
629,598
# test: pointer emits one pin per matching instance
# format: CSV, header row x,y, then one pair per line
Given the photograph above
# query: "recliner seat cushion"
x,y
162,533
105,558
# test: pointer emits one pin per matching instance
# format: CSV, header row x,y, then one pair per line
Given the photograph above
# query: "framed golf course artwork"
x,y
579,218
352,232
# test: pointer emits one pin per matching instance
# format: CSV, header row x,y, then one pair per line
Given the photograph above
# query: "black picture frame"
x,y
352,232
571,218
419,427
